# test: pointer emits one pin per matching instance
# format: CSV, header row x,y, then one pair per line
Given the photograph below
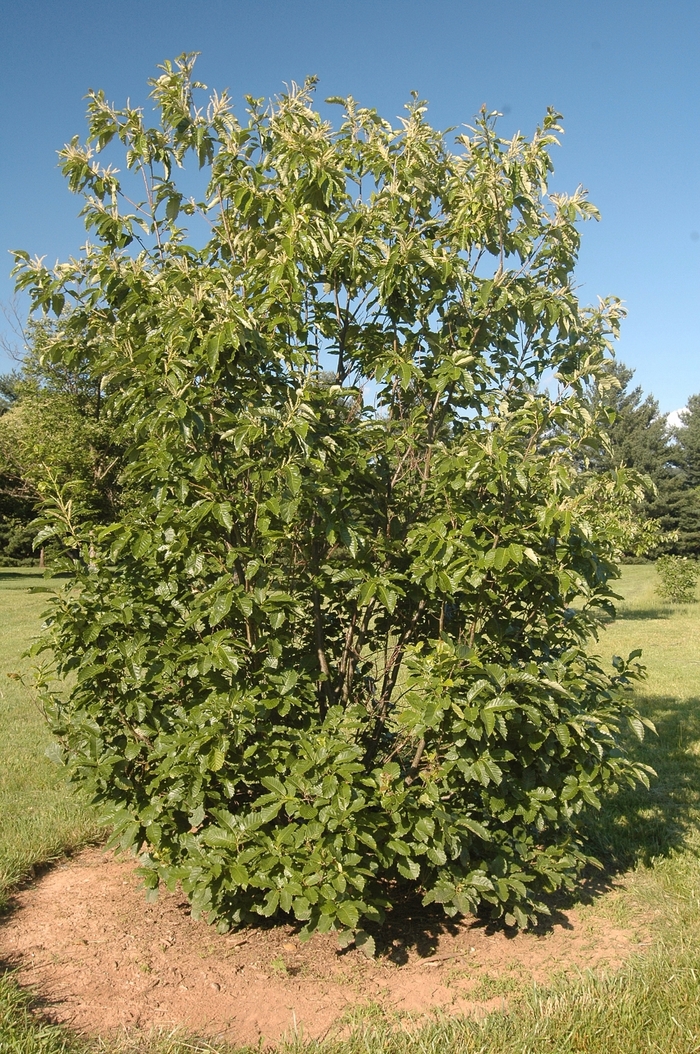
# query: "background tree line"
x,y
640,438
53,430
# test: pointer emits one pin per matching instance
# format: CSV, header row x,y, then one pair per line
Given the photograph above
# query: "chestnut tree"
x,y
340,649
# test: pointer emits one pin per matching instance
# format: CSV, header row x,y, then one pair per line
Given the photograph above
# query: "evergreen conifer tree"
x,y
679,498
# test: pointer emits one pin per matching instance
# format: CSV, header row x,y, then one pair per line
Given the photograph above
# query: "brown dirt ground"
x,y
100,959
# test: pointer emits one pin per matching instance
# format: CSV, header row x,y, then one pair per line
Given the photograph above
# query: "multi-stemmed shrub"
x,y
340,650
678,578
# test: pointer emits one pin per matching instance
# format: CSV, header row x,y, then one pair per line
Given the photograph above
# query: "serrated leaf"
x,y
216,759
345,939
220,608
563,735
301,908
348,914
54,752
476,828
409,868
222,512
637,727
292,477
195,818
141,544
271,904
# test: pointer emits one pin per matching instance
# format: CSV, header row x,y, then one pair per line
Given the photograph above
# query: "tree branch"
x,y
326,690
415,764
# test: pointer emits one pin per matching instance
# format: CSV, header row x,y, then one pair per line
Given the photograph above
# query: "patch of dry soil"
x,y
99,958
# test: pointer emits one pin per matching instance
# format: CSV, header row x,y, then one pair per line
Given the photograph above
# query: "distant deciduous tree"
x,y
53,434
17,500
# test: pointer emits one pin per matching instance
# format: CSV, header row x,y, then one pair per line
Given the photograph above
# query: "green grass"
x,y
41,816
646,829
649,842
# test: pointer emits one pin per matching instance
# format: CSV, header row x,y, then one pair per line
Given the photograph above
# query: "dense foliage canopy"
x,y
340,649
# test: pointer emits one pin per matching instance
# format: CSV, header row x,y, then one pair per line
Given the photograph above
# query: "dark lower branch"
x,y
415,764
325,687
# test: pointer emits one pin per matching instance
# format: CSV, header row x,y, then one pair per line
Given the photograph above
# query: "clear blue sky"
x,y
626,76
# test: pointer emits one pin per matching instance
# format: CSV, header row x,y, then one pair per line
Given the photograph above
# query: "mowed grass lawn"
x,y
648,841
40,817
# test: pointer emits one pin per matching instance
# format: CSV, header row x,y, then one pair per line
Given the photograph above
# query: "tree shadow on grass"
x,y
637,825
21,579
633,827
8,574
27,1011
651,614
11,575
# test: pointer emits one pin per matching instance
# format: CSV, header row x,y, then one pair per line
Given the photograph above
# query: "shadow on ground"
x,y
15,573
638,825
634,827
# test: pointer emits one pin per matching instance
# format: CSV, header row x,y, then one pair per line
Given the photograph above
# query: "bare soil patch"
x,y
99,958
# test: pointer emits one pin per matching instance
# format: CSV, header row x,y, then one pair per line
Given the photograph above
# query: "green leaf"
x,y
292,478
364,942
289,681
348,914
216,759
637,727
271,903
220,608
301,908
476,828
563,735
222,511
141,544
409,868
196,818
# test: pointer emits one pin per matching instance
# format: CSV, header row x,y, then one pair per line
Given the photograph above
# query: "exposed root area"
x,y
99,958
